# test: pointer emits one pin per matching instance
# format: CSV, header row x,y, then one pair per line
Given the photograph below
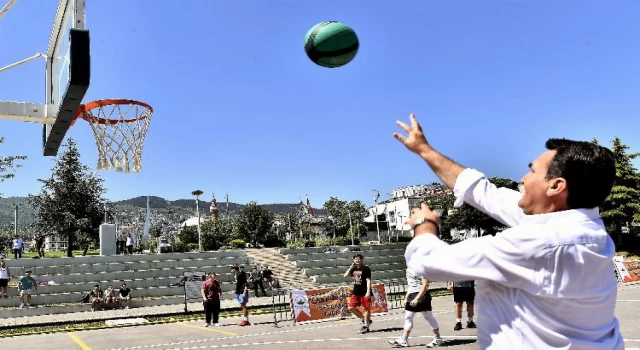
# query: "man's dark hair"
x,y
359,256
589,170
235,268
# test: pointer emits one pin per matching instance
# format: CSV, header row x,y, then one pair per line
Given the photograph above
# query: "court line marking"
x,y
78,341
315,340
299,328
206,329
629,301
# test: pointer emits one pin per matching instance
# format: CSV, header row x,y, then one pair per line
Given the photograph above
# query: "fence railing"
x,y
281,306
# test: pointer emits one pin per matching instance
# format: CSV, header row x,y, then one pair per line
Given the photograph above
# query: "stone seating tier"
x,y
148,276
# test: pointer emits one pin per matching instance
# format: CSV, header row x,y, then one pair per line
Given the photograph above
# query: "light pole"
x,y
197,194
15,219
375,199
351,229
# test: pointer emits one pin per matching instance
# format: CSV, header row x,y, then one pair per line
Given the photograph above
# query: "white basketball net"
x,y
119,130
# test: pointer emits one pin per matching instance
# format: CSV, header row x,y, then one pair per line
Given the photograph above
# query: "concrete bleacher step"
x,y
288,275
346,262
400,265
344,255
149,277
364,249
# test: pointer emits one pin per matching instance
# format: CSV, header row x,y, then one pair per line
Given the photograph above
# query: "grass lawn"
x,y
629,255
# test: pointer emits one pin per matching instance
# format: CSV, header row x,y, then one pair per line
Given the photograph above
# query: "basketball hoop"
x,y
119,127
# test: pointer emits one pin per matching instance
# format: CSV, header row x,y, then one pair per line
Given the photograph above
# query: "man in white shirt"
x,y
546,282
17,247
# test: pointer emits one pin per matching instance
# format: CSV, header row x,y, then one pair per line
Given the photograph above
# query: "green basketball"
x,y
331,44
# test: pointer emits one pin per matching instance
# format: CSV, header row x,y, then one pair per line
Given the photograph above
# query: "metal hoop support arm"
x,y
28,59
27,112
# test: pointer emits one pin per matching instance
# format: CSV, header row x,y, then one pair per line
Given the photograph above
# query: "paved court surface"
x,y
325,335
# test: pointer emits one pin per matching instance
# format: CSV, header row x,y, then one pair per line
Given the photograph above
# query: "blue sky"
x,y
239,108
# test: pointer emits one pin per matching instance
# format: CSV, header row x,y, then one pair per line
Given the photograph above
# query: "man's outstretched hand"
x,y
415,140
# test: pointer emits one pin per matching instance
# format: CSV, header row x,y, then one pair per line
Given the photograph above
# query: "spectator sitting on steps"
x,y
110,300
26,286
95,298
124,295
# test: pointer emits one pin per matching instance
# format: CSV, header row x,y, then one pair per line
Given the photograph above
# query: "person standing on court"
x,y
418,300
463,292
361,293
242,293
546,282
211,294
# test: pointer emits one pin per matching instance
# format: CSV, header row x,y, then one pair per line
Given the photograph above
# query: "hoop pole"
x,y
6,7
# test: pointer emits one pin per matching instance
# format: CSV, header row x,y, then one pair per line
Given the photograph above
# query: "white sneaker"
x,y
21,306
28,305
399,343
207,325
216,324
436,342
126,308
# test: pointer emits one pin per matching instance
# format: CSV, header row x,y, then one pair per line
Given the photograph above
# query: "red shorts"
x,y
359,300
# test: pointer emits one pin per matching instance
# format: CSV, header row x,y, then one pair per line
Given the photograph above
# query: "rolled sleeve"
x,y
508,259
476,190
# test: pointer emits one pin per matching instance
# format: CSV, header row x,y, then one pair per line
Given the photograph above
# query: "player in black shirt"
x,y
242,294
361,294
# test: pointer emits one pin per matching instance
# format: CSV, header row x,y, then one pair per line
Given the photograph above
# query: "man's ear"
x,y
556,186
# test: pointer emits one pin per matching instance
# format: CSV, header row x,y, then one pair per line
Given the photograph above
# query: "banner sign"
x,y
627,271
318,304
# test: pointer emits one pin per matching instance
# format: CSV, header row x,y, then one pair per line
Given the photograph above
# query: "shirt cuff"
x,y
420,247
467,178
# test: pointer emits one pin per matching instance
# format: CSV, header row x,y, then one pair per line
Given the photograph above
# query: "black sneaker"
x,y
458,326
471,324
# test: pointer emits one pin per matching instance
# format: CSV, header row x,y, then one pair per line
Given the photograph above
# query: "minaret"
x,y
214,208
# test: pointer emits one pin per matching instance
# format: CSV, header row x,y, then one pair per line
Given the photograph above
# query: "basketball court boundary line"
x,y
210,329
318,340
291,329
78,341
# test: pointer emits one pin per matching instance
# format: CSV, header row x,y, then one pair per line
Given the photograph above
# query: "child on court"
x,y
418,301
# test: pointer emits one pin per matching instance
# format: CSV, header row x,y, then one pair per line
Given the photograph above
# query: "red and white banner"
x,y
318,304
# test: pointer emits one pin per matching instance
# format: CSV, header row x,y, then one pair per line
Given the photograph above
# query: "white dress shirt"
x,y
546,282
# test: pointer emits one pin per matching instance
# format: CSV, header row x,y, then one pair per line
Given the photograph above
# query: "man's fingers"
x,y
414,121
399,137
404,126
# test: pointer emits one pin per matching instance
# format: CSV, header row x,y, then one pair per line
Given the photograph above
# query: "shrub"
x,y
347,241
237,244
322,242
308,243
192,247
178,247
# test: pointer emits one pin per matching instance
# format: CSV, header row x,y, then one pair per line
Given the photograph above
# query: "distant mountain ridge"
x,y
161,203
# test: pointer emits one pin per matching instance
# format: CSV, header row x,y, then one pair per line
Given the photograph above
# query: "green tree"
x,y
622,206
253,223
8,165
188,234
467,217
70,203
213,234
286,224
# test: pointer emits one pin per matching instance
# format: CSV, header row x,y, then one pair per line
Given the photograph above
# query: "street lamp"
x,y
375,199
351,229
197,194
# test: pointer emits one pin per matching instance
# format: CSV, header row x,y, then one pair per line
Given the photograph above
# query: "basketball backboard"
x,y
68,71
